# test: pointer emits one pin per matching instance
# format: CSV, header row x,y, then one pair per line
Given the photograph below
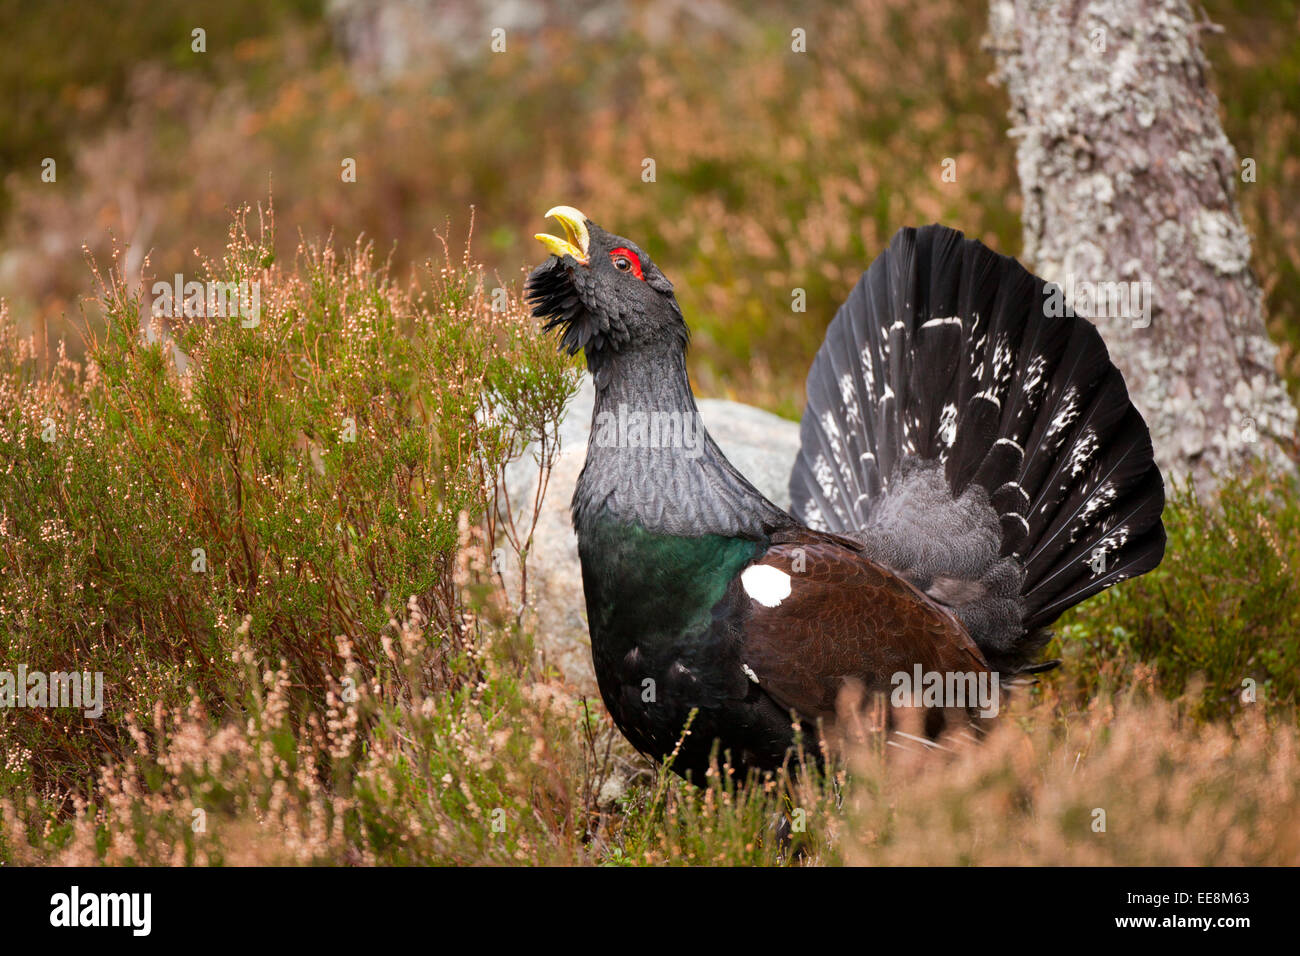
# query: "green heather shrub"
x,y
304,478
1222,608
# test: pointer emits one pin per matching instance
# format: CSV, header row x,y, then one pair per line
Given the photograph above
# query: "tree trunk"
x,y
1129,188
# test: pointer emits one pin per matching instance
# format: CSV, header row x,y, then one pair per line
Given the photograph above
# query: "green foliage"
x,y
1223,607
307,474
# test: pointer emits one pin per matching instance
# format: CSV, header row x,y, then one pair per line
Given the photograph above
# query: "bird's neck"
x,y
651,379
650,460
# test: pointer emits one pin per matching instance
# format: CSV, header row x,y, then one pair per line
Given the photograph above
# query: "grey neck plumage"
x,y
651,461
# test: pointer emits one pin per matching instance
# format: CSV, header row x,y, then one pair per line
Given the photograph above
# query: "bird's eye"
x,y
625,260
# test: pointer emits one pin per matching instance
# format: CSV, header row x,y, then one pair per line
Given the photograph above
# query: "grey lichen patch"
x,y
1221,241
1095,188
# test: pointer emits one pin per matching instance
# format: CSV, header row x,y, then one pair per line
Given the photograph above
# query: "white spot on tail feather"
x,y
825,477
849,398
1034,376
767,585
830,426
869,370
1002,360
1097,502
1067,411
1082,452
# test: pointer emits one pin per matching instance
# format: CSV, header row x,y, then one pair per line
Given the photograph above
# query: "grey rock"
x,y
761,445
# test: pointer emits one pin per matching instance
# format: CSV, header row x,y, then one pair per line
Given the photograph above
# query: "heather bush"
x,y
512,769
1220,617
306,475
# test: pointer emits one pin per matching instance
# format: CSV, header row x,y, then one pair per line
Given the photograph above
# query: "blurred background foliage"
x,y
775,170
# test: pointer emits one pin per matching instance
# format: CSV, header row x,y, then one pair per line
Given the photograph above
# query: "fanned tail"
x,y
977,441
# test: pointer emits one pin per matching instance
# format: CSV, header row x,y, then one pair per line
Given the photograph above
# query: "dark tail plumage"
x,y
977,443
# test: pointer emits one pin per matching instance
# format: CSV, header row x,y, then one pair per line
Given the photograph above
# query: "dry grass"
x,y
1130,781
514,773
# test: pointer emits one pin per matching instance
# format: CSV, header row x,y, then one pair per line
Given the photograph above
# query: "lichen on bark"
x,y
1128,177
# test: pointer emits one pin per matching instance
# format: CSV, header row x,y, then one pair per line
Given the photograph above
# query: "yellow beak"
x,y
575,227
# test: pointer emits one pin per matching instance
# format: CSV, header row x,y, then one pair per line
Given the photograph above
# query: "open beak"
x,y
575,228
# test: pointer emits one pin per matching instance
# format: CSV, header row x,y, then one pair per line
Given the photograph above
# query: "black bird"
x,y
971,467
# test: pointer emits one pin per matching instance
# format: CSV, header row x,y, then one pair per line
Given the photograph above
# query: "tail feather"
x,y
945,370
1085,569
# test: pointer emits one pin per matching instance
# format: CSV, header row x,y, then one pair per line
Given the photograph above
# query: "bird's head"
x,y
602,292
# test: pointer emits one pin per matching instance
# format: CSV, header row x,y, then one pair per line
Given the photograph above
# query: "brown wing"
x,y
845,618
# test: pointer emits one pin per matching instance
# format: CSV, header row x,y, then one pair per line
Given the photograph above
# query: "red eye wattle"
x,y
625,260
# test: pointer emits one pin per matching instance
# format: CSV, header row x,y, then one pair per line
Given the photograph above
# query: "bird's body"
x,y
970,468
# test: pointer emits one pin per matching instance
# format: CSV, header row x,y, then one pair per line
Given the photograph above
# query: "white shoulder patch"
x,y
767,585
